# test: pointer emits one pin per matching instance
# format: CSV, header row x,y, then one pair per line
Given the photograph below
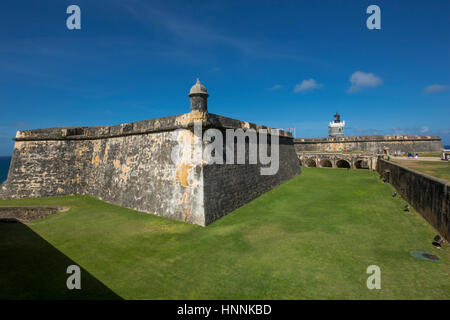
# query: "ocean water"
x,y
4,167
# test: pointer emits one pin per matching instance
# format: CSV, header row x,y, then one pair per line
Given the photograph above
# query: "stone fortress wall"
x,y
371,144
430,196
129,165
133,165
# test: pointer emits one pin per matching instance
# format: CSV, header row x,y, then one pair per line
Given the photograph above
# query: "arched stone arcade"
x,y
310,163
337,160
326,163
361,164
343,164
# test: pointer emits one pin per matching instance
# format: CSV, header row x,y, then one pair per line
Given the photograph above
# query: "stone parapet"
x,y
182,121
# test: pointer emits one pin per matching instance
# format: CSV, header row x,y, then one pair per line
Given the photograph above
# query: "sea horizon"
x,y
4,167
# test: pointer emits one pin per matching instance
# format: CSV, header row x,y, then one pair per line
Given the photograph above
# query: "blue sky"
x,y
279,63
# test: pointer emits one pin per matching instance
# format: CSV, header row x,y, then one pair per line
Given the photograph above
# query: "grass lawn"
x,y
310,238
438,169
430,154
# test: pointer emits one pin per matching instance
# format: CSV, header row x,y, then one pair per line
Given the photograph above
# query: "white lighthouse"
x,y
336,128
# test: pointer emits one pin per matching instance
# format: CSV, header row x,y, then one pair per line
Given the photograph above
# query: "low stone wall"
x,y
134,165
428,195
27,214
372,144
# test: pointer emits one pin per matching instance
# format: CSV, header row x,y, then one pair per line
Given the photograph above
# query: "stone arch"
x,y
326,163
342,163
310,163
361,164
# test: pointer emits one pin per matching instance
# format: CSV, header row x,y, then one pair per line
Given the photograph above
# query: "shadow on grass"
x,y
31,268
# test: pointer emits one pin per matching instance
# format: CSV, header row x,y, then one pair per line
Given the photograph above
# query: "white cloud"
x,y
15,124
424,129
361,80
307,85
414,130
276,87
436,88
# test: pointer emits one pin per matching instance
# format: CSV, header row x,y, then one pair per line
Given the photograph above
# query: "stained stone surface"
x,y
27,214
371,144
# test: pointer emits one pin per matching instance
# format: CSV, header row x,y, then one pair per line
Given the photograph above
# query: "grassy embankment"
x,y
311,238
438,169
430,154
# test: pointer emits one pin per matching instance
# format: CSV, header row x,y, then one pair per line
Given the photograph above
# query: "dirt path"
x,y
418,159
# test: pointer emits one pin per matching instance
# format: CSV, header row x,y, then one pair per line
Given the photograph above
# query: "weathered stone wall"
x,y
28,214
373,144
131,165
134,171
228,187
428,195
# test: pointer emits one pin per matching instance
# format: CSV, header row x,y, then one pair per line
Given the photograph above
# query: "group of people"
x,y
445,156
408,154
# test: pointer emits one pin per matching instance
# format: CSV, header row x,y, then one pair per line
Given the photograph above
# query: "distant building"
x,y
336,128
368,144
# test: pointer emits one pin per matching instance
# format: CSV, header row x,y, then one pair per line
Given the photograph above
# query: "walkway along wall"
x,y
372,144
428,195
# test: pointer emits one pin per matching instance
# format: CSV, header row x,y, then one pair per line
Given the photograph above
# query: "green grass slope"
x,y
438,169
310,238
